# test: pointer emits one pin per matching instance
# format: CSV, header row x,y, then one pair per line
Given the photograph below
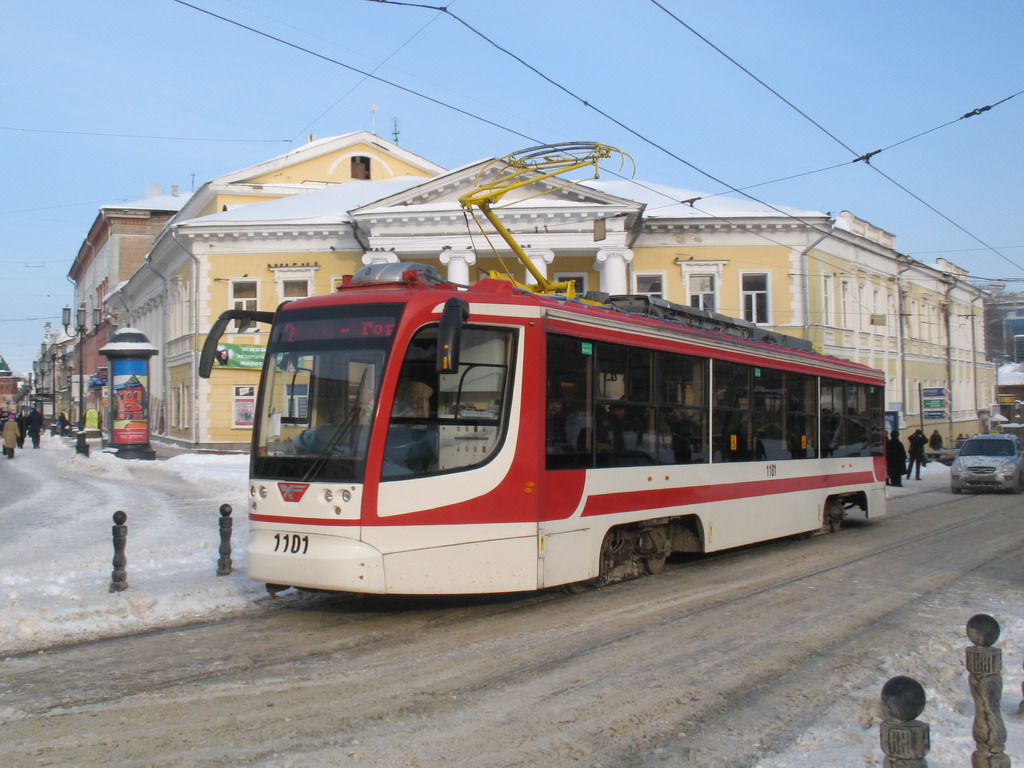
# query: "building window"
x,y
826,299
294,289
244,295
295,281
650,284
579,278
755,297
360,168
702,292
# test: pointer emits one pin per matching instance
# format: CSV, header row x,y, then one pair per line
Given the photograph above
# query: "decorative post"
x,y
119,576
224,562
905,740
984,675
129,351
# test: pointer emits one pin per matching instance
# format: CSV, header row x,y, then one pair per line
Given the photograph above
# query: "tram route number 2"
x,y
291,543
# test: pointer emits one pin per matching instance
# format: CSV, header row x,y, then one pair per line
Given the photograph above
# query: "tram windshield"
x,y
321,381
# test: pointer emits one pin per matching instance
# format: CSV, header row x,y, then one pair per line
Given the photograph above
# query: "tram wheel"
x,y
655,564
834,515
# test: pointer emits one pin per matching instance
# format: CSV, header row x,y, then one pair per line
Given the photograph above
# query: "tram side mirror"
x,y
449,334
209,353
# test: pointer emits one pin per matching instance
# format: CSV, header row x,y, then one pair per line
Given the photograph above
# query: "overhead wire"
x,y
351,68
142,136
865,157
581,100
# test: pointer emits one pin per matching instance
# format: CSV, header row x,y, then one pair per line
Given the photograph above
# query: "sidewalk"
x,y
934,477
163,450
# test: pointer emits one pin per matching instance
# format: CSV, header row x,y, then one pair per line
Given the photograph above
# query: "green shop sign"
x,y
247,356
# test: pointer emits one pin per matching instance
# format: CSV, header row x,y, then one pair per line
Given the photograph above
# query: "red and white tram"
x,y
417,438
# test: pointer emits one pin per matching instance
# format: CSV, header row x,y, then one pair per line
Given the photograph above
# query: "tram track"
x,y
368,628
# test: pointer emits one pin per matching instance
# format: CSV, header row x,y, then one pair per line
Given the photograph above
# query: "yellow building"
x,y
223,251
295,225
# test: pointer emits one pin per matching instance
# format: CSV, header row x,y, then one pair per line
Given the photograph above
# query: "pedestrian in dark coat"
x,y
895,458
35,425
22,422
917,442
935,441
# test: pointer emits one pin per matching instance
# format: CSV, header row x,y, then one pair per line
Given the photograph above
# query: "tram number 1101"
x,y
291,543
773,470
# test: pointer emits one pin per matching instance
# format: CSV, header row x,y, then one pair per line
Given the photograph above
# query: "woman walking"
x,y
10,436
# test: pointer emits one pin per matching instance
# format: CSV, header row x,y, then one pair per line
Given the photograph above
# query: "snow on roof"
x,y
156,203
1010,375
327,205
665,202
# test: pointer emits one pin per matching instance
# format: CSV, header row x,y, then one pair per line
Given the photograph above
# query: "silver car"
x,y
988,463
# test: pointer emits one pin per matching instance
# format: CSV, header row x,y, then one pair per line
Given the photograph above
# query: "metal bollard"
x,y
905,740
119,576
984,675
224,562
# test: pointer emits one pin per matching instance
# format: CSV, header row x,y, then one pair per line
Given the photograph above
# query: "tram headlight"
x,y
328,495
263,491
346,496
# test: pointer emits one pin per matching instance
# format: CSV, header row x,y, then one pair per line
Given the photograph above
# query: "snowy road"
x,y
772,656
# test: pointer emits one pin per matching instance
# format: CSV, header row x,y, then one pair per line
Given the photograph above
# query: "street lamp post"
x,y
80,329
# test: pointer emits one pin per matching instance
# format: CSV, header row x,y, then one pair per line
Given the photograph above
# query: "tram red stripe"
x,y
612,503
302,520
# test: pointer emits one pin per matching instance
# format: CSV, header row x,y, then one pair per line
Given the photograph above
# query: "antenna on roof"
x,y
394,129
373,119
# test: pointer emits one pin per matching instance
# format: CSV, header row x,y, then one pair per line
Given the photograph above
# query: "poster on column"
x,y
130,380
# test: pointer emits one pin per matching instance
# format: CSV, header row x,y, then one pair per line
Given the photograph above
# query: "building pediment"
x,y
551,213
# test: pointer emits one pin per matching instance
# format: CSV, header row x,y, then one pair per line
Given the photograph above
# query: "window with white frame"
x,y
579,278
754,298
702,290
649,284
294,282
827,288
244,295
845,299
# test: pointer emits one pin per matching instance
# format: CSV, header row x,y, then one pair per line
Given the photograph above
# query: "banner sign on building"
x,y
247,356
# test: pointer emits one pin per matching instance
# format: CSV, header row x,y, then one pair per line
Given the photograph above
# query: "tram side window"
x,y
769,415
453,420
731,420
876,420
624,418
682,409
833,440
569,433
856,418
801,415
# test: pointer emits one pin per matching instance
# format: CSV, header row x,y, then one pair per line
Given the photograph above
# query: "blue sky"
x,y
871,74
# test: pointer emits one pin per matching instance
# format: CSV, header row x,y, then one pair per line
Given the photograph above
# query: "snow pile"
x,y
55,558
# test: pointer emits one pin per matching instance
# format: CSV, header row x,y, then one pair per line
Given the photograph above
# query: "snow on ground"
x,y
56,554
846,734
172,556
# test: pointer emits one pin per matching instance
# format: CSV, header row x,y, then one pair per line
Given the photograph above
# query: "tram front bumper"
x,y
314,561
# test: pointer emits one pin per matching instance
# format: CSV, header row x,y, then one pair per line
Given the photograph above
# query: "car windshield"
x,y
988,448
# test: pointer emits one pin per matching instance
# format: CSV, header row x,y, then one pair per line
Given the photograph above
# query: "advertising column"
x,y
128,352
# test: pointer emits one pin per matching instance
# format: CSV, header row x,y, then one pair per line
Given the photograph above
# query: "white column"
x,y
458,263
380,257
611,263
540,259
